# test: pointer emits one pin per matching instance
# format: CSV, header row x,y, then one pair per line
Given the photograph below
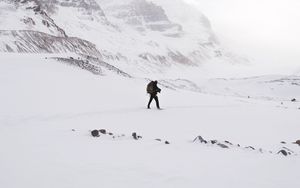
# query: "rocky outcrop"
x,y
38,42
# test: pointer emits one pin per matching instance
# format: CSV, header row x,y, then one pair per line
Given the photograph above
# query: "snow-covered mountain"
x,y
137,36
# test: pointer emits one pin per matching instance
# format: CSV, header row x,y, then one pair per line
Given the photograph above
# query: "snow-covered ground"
x,y
47,110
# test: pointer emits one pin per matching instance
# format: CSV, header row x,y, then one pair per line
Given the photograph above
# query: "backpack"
x,y
150,87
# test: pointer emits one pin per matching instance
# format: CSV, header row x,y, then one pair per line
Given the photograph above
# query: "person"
x,y
152,89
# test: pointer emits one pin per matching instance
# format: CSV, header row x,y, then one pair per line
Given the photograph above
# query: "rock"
x,y
283,142
213,141
250,147
103,131
95,133
227,142
166,142
135,136
73,130
110,134
238,145
293,100
200,139
222,145
283,152
297,142
158,139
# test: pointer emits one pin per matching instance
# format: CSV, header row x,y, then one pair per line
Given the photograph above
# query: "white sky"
x,y
266,30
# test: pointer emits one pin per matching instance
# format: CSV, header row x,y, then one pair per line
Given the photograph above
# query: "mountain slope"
x,y
138,36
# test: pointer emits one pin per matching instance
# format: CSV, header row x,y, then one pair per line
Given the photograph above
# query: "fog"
x,y
266,31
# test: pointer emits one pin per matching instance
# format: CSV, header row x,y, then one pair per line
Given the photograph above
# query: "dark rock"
x,y
294,100
158,139
250,147
95,133
239,145
283,142
283,152
110,134
222,145
200,139
135,136
227,142
73,130
166,142
213,141
103,131
297,142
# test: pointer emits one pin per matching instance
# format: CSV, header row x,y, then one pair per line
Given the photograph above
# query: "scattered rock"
x,y
297,142
293,100
222,145
227,142
166,142
283,152
250,147
95,133
103,131
135,136
288,149
200,139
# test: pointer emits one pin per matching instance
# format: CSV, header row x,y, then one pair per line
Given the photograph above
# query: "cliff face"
x,y
135,35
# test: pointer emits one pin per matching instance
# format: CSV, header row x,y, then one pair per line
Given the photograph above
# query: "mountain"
x,y
137,36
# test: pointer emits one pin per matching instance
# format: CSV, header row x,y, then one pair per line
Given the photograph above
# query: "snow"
x,y
42,100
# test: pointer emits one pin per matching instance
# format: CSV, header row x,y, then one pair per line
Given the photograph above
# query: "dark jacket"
x,y
152,88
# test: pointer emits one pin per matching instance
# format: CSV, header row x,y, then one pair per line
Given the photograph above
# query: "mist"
x,y
265,31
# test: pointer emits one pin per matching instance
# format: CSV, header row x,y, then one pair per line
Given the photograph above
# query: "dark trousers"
x,y
153,96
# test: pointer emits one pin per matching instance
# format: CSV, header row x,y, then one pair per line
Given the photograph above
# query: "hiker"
x,y
152,89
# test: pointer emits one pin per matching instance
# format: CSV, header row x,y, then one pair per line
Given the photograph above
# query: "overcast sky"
x,y
267,30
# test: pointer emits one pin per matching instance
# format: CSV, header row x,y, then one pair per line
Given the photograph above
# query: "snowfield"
x,y
47,110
